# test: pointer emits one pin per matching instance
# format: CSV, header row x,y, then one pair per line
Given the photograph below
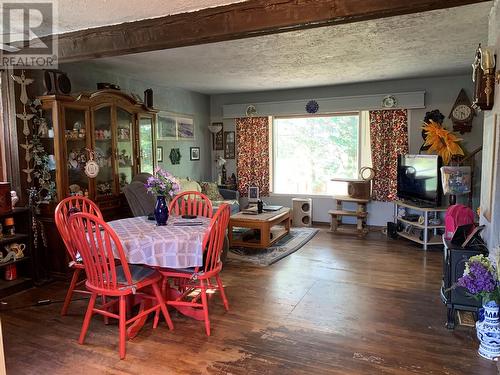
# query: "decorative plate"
x,y
389,101
312,106
91,169
251,110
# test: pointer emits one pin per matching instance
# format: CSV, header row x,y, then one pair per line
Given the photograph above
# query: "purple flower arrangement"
x,y
480,278
162,183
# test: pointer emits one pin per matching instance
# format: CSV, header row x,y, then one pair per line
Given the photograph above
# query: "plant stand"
x,y
360,214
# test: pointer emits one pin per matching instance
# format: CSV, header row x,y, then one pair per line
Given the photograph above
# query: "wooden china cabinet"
x,y
116,131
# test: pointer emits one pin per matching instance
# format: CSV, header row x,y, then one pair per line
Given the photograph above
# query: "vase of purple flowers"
x,y
165,186
480,278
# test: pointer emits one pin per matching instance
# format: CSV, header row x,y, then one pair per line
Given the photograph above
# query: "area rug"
x,y
289,244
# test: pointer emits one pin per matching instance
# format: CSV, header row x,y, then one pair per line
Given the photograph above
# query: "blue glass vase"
x,y
488,331
161,210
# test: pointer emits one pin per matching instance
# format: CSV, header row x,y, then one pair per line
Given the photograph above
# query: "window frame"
x,y
273,151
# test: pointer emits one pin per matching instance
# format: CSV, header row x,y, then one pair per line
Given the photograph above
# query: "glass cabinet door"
x,y
146,144
125,146
103,137
76,145
45,138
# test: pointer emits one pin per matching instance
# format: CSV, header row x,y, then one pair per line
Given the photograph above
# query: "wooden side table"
x,y
360,214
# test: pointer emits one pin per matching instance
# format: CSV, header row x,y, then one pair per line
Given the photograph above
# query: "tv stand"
x,y
417,203
422,231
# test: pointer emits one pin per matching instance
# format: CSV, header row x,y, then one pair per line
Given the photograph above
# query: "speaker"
x,y
148,98
392,230
56,83
302,212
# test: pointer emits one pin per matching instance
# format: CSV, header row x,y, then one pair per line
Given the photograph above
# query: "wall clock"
x,y
462,113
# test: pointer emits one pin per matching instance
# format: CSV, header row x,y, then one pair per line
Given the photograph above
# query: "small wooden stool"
x,y
361,214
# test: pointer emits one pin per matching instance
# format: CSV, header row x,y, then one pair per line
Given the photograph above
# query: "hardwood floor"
x,y
339,305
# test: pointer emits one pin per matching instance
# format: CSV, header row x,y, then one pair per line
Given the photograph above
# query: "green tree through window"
x,y
309,151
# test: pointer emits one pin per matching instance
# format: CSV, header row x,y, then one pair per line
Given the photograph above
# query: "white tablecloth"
x,y
165,246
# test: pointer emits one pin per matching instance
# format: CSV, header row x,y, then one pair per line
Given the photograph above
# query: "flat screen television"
x,y
419,179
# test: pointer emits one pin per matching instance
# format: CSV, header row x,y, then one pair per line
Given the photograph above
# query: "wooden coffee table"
x,y
267,225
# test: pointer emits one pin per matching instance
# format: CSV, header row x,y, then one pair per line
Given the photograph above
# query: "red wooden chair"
x,y
198,278
97,241
62,213
191,203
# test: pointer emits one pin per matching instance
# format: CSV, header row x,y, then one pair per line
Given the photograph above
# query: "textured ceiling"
x,y
440,42
86,14
75,15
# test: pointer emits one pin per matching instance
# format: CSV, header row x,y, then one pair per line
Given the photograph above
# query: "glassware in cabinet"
x,y
75,133
103,140
125,146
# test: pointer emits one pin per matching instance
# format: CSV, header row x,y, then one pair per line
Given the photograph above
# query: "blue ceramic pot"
x,y
161,210
488,331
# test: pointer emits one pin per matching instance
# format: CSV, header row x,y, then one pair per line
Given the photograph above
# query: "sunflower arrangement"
x,y
442,141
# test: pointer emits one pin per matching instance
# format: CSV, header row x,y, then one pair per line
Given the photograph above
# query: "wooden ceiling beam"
x,y
234,21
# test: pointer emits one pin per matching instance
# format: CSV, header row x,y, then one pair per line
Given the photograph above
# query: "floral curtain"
x,y
389,138
252,154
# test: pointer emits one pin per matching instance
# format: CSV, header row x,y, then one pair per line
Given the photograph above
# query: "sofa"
x,y
214,193
141,203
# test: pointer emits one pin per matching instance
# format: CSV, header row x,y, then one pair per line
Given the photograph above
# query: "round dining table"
x,y
179,244
175,245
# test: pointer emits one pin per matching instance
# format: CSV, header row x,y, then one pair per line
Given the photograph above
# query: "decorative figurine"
x,y
14,198
43,129
72,162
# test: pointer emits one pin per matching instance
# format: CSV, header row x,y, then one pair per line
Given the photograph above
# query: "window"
x,y
309,151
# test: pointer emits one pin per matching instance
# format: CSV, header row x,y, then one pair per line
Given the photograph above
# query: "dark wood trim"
x,y
233,21
9,132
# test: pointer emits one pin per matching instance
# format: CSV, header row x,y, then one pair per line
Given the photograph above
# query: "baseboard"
x,y
371,228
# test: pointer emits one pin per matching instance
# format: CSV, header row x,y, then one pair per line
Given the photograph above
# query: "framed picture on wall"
x,y
185,128
218,138
194,153
167,127
229,145
159,154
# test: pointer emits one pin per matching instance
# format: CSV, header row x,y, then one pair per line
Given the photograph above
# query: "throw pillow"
x,y
211,190
189,185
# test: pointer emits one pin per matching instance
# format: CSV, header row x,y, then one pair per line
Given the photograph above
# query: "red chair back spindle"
x,y
213,242
95,240
62,213
191,203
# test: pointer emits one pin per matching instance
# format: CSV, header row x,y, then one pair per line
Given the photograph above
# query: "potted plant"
x,y
480,279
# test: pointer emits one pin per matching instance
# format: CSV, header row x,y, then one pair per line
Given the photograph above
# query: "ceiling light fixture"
x,y
215,127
